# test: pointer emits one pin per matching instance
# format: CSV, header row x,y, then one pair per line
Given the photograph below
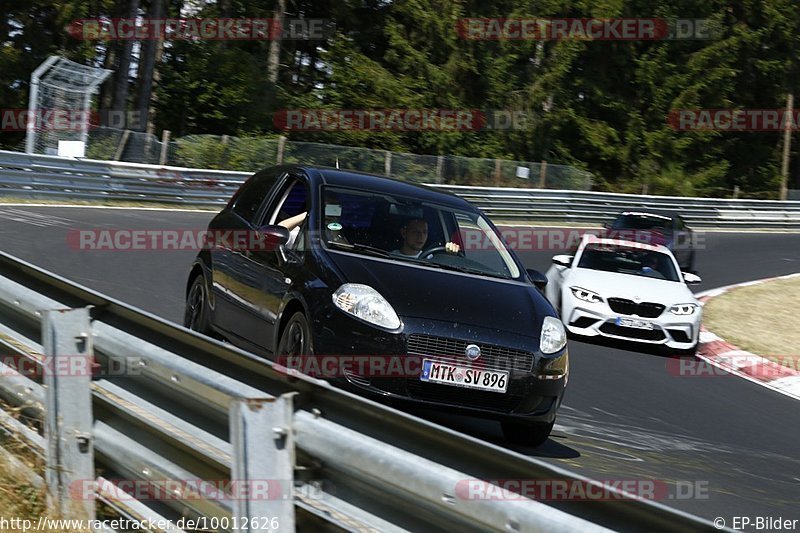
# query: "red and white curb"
x,y
750,366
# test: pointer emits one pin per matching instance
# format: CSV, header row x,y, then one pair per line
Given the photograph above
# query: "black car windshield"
x,y
636,261
376,223
643,221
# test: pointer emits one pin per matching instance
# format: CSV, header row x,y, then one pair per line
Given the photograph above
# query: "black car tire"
x,y
197,315
296,336
527,434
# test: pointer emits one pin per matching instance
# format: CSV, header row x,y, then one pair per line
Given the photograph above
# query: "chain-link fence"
x,y
253,153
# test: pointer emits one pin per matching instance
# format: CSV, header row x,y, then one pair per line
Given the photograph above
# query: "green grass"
x,y
760,318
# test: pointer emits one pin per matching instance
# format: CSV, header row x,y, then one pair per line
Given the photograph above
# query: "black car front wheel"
x,y
197,316
296,336
527,434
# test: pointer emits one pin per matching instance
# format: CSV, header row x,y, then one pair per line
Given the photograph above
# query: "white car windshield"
x,y
411,230
636,261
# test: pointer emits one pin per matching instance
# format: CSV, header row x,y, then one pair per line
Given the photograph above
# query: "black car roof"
x,y
360,180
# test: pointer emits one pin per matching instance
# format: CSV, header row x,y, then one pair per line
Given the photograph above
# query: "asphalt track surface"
x,y
625,415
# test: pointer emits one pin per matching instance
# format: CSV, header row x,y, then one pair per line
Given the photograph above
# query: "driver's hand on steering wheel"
x,y
452,248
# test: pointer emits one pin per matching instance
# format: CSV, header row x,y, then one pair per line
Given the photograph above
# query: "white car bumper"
x,y
680,332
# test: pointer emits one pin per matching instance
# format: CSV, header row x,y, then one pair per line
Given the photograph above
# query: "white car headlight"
x,y
586,296
553,336
364,302
683,309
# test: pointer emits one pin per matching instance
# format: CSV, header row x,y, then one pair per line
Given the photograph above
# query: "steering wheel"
x,y
438,249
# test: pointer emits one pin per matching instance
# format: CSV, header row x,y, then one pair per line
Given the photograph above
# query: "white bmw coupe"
x,y
626,290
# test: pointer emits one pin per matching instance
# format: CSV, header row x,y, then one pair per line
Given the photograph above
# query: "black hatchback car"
x,y
343,284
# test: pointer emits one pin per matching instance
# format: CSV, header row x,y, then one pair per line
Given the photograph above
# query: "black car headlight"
x,y
364,302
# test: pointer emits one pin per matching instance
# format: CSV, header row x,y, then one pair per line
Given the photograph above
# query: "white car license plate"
x,y
459,376
634,323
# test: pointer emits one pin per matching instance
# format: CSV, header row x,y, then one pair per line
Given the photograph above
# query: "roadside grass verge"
x,y
762,319
20,499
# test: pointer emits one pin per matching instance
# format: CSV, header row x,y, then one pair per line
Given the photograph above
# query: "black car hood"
x,y
415,291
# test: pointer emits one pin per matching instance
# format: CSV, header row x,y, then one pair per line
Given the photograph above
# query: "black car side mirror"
x,y
538,279
273,236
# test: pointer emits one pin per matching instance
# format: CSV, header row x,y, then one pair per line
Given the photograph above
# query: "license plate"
x,y
460,376
634,323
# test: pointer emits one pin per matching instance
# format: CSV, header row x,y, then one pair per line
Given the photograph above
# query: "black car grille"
x,y
632,333
462,397
629,307
452,351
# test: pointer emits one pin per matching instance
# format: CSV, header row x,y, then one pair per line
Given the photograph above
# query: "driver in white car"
x,y
415,234
651,266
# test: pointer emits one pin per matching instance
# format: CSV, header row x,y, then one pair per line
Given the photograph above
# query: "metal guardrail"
x,y
598,207
39,176
181,406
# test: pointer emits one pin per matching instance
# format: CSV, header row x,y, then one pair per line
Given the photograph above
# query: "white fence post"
x,y
162,158
67,367
262,439
281,148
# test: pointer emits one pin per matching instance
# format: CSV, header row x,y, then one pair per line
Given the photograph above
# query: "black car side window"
x,y
289,208
289,202
252,194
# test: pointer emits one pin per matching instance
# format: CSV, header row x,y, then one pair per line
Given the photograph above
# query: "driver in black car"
x,y
415,234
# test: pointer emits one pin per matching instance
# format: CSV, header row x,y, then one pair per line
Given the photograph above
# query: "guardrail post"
x,y
543,174
262,439
68,422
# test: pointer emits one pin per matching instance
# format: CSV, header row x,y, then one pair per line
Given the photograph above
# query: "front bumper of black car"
x,y
530,397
